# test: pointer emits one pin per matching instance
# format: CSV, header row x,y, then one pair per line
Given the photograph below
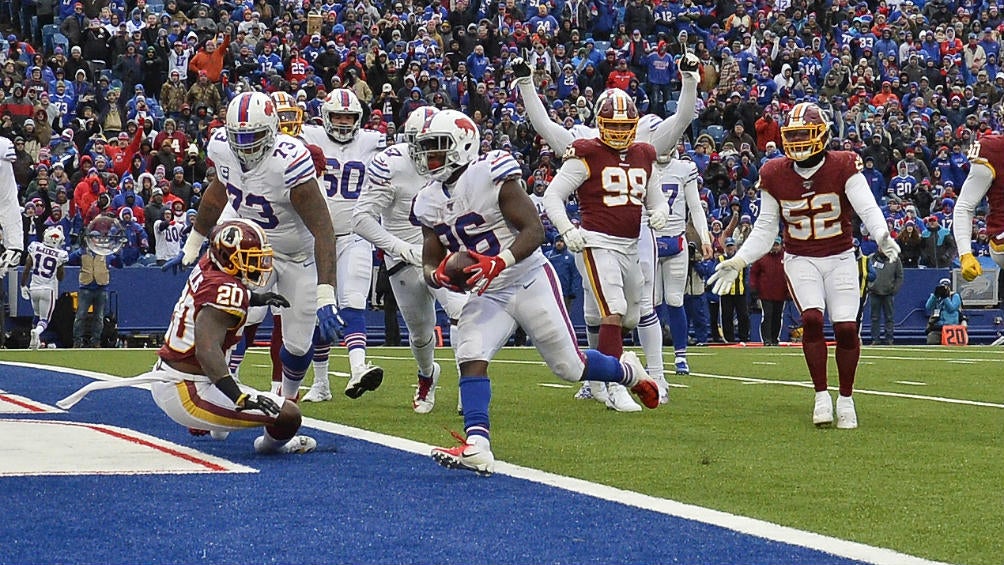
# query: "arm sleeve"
x,y
10,209
654,198
554,134
376,196
863,202
972,192
695,209
764,230
573,172
666,136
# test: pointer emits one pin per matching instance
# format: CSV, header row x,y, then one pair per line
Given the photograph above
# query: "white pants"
x,y
613,283
648,261
195,402
297,282
43,300
535,303
825,283
354,268
671,278
417,302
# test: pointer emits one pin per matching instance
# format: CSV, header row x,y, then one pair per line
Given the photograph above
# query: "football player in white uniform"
x,y
479,205
269,178
664,138
43,269
383,216
678,180
12,249
348,151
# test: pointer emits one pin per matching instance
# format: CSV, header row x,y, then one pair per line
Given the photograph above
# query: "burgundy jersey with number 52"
x,y
815,212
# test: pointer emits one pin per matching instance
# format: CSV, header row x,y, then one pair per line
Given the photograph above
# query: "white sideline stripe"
x,y
751,380
914,383
741,524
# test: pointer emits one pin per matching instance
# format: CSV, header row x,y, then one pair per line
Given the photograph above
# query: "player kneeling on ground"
x,y
191,382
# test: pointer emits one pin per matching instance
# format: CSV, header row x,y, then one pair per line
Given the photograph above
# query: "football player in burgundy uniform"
x,y
986,157
479,205
191,382
814,193
612,176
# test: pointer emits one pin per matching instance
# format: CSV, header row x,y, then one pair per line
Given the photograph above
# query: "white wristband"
x,y
325,295
507,257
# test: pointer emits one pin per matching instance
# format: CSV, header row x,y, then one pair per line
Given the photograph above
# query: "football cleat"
x,y
620,400
319,392
645,388
197,432
682,368
35,341
467,456
425,396
296,444
368,379
663,389
585,392
847,417
822,411
219,435
599,391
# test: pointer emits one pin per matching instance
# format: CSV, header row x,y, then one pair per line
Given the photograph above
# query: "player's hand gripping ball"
x,y
454,269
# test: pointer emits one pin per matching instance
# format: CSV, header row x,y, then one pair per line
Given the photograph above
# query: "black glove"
x,y
520,68
269,299
263,403
690,62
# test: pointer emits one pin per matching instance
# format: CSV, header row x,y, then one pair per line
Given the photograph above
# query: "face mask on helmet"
x,y
806,132
616,118
342,115
450,142
251,125
240,248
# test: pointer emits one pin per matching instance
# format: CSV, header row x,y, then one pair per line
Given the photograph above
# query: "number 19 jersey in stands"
x,y
346,169
262,193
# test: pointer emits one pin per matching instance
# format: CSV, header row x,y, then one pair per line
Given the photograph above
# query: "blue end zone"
x,y
363,503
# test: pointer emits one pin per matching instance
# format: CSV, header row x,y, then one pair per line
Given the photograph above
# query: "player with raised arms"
x,y
383,216
43,269
479,206
12,243
664,138
986,157
190,381
269,178
348,151
814,193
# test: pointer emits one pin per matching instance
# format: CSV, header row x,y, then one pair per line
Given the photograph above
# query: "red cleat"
x,y
647,392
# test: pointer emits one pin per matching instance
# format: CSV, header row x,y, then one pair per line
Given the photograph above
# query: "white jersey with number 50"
x,y
468,217
345,170
262,194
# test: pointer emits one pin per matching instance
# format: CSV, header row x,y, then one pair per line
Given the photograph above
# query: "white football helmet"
x,y
53,237
417,121
450,142
341,101
252,123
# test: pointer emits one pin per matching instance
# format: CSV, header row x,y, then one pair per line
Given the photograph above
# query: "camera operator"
x,y
695,301
944,307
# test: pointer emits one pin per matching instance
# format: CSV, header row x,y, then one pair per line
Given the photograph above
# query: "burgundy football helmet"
x,y
806,131
240,248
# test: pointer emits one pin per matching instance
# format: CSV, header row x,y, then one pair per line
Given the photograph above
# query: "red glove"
x,y
440,277
485,270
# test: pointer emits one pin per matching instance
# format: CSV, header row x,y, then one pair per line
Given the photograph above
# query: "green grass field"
x,y
924,473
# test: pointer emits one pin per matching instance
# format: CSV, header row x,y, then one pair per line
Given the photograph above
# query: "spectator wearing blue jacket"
x,y
944,308
661,70
564,265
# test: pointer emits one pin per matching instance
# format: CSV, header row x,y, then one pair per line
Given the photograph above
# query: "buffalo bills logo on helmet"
x,y
466,125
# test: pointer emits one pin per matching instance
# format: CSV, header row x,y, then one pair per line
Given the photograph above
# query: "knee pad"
x,y
846,334
812,325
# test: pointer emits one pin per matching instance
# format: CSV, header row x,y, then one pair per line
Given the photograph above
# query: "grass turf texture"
x,y
919,476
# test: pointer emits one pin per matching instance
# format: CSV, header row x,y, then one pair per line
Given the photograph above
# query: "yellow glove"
x,y
971,267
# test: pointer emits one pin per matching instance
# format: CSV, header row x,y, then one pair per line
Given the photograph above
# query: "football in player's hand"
x,y
455,266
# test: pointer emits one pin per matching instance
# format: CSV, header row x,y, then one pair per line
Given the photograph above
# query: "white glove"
x,y
412,255
25,294
192,249
725,275
888,246
575,241
658,219
690,66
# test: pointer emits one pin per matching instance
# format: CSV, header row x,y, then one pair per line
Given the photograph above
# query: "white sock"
x,y
321,373
425,355
357,359
650,337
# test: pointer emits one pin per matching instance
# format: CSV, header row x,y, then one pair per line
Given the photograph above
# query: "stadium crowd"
x,y
110,104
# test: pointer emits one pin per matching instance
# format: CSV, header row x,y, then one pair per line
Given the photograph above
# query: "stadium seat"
x,y
670,107
60,40
48,31
716,132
